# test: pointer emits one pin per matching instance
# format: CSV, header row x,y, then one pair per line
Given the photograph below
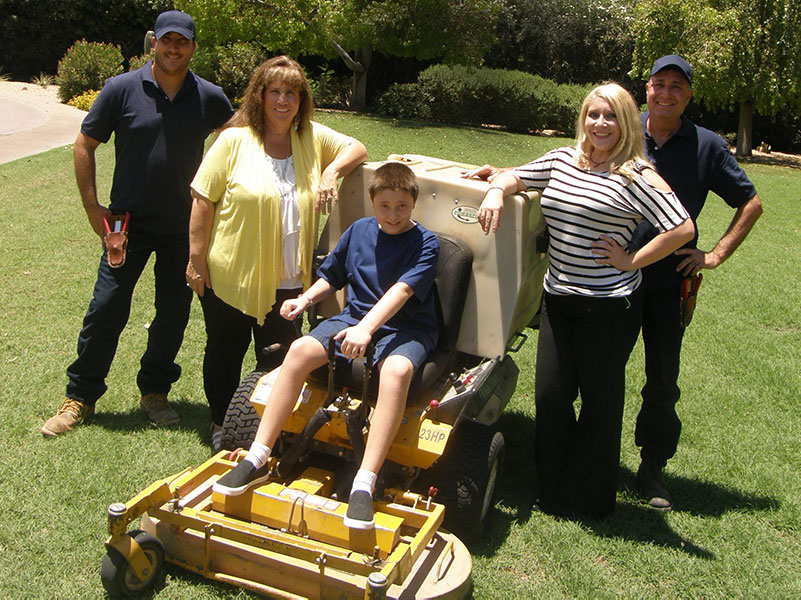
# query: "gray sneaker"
x,y
159,411
71,413
241,478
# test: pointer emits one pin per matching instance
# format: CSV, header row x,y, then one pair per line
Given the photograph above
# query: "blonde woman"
x,y
256,203
593,196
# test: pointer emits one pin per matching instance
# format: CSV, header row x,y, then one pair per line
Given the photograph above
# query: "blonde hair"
x,y
282,69
630,148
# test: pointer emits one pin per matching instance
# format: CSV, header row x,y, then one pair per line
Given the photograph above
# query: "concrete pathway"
x,y
33,120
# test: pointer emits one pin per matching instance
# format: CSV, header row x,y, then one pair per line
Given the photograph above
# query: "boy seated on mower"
x,y
388,263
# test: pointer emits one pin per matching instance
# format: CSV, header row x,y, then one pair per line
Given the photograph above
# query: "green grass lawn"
x,y
736,478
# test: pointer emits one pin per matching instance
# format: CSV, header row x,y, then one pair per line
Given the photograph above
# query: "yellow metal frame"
x,y
286,539
419,442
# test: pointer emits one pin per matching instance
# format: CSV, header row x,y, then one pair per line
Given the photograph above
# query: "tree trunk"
x,y
359,66
358,99
744,129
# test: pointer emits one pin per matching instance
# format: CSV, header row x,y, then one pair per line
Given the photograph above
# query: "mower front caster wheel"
x,y
117,575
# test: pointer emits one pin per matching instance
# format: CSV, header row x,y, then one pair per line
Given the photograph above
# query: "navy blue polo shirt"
x,y
158,144
693,162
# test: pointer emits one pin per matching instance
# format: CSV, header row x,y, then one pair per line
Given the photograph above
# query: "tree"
x,y
456,31
568,41
292,27
744,53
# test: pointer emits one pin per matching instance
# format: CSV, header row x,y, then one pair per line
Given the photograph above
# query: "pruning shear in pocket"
x,y
689,292
116,238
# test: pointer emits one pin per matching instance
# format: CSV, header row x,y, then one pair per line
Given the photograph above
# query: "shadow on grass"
x,y
630,521
703,498
194,417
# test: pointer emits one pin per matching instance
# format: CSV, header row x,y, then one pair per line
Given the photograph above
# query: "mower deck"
x,y
287,539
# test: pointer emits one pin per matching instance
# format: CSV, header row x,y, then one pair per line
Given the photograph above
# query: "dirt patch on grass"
x,y
779,159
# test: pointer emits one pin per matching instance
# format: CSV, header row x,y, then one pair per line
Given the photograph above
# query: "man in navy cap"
x,y
693,161
160,115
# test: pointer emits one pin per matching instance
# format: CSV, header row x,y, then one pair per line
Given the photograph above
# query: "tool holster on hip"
x,y
116,238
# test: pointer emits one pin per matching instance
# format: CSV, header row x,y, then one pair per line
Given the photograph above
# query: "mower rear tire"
x,y
466,476
241,421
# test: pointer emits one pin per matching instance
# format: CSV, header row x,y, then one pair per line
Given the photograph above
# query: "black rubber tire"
x,y
117,576
241,421
466,476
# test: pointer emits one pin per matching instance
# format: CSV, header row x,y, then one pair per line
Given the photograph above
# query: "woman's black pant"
x,y
582,350
228,335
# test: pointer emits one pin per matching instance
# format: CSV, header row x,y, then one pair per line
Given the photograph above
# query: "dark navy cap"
x,y
673,60
174,20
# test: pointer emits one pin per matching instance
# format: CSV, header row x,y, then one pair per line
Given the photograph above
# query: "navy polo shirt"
x,y
158,144
693,162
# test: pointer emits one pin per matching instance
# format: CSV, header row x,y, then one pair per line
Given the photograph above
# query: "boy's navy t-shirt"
x,y
370,262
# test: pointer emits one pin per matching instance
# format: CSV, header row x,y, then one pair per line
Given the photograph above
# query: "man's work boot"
x,y
652,485
159,411
71,413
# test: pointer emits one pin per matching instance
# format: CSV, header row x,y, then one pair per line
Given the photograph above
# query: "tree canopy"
x,y
456,32
569,41
744,53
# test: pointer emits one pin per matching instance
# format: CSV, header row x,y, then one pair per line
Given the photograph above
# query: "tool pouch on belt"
x,y
689,292
116,238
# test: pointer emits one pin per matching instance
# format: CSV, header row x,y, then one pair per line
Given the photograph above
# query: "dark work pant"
x,y
658,426
228,335
110,308
582,349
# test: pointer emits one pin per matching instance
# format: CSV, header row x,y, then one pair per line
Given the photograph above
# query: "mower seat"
x,y
451,280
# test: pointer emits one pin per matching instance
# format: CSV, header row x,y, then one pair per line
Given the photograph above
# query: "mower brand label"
x,y
465,214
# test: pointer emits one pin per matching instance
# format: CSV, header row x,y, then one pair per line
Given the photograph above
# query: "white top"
x,y
579,206
284,174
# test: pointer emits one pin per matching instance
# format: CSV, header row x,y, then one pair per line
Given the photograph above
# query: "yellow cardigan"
x,y
245,245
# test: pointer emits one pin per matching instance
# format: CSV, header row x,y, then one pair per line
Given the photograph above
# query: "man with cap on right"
x,y
160,115
693,161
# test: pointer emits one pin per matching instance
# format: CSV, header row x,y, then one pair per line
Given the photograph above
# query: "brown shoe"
x,y
158,409
71,413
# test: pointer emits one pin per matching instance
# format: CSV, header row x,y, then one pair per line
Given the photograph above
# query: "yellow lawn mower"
x,y
286,538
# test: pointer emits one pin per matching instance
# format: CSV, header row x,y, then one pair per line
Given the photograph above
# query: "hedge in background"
x,y
518,101
34,34
85,67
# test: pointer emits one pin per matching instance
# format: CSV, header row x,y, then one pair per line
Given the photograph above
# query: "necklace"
x,y
595,164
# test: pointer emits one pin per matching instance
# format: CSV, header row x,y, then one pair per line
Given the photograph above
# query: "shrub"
x,y
43,79
330,91
84,100
235,64
518,101
405,101
138,61
86,66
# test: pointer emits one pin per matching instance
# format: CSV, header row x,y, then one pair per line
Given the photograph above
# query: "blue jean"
x,y
110,308
658,426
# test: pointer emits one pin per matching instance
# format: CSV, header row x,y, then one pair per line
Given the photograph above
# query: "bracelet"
x,y
307,299
495,187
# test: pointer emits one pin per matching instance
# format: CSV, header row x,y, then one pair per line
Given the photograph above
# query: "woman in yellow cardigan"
x,y
255,210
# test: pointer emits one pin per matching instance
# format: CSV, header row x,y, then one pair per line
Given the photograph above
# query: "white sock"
x,y
364,482
258,454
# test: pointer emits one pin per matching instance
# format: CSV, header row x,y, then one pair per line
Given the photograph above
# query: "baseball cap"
x,y
174,20
673,60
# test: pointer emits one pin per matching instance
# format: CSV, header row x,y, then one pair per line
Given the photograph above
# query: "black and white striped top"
x,y
579,206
